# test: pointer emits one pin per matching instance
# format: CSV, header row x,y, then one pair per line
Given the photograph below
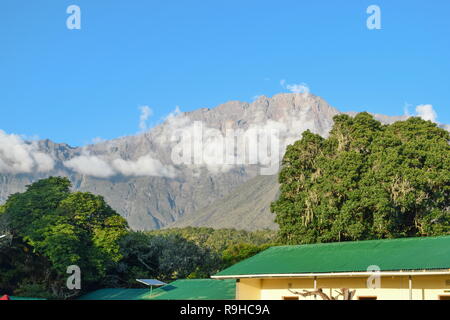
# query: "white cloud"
x,y
174,114
263,143
445,127
95,166
17,156
295,88
44,162
426,112
90,165
146,113
174,121
143,166
98,140
406,107
298,88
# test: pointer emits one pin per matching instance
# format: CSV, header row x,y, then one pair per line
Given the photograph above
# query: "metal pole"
x,y
410,287
315,287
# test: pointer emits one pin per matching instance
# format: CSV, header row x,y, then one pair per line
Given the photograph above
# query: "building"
x,y
6,297
397,269
186,289
196,289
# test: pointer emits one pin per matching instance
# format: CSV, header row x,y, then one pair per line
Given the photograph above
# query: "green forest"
x,y
364,181
49,228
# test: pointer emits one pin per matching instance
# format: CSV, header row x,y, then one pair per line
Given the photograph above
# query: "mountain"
x,y
247,208
157,179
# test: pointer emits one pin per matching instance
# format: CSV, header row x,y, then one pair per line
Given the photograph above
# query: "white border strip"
x,y
338,274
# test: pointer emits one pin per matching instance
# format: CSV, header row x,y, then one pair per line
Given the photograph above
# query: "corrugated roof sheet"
x,y
189,289
116,294
390,255
196,289
24,298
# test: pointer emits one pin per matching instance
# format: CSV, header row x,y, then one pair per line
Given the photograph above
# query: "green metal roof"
x,y
190,289
116,294
196,289
24,298
389,255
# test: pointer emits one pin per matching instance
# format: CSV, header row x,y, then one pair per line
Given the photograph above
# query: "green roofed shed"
x,y
196,289
189,289
116,294
407,254
24,298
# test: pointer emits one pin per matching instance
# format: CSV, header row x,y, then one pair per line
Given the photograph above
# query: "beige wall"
x,y
250,289
392,288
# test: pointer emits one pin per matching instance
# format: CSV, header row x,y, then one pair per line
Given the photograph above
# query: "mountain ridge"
x,y
138,178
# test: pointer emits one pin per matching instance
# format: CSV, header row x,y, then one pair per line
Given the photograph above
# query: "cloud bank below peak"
x,y
144,166
90,165
18,156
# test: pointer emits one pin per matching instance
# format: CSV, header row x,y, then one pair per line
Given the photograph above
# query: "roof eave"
x,y
337,274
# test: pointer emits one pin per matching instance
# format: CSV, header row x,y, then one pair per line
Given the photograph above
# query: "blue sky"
x,y
74,85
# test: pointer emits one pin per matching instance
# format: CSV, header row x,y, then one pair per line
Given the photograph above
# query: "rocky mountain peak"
x,y
138,178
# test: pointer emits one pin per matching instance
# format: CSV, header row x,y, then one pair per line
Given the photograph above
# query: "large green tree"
x,y
162,256
52,229
365,181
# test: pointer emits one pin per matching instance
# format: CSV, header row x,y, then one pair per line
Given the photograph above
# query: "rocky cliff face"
x,y
140,179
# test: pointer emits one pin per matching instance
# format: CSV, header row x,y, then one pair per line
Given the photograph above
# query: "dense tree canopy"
x,y
165,257
219,240
229,245
49,228
365,181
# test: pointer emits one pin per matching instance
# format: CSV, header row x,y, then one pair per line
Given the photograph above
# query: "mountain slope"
x,y
139,178
246,208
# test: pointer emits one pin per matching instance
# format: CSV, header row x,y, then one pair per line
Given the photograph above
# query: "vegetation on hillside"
x,y
230,245
365,181
50,228
220,239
